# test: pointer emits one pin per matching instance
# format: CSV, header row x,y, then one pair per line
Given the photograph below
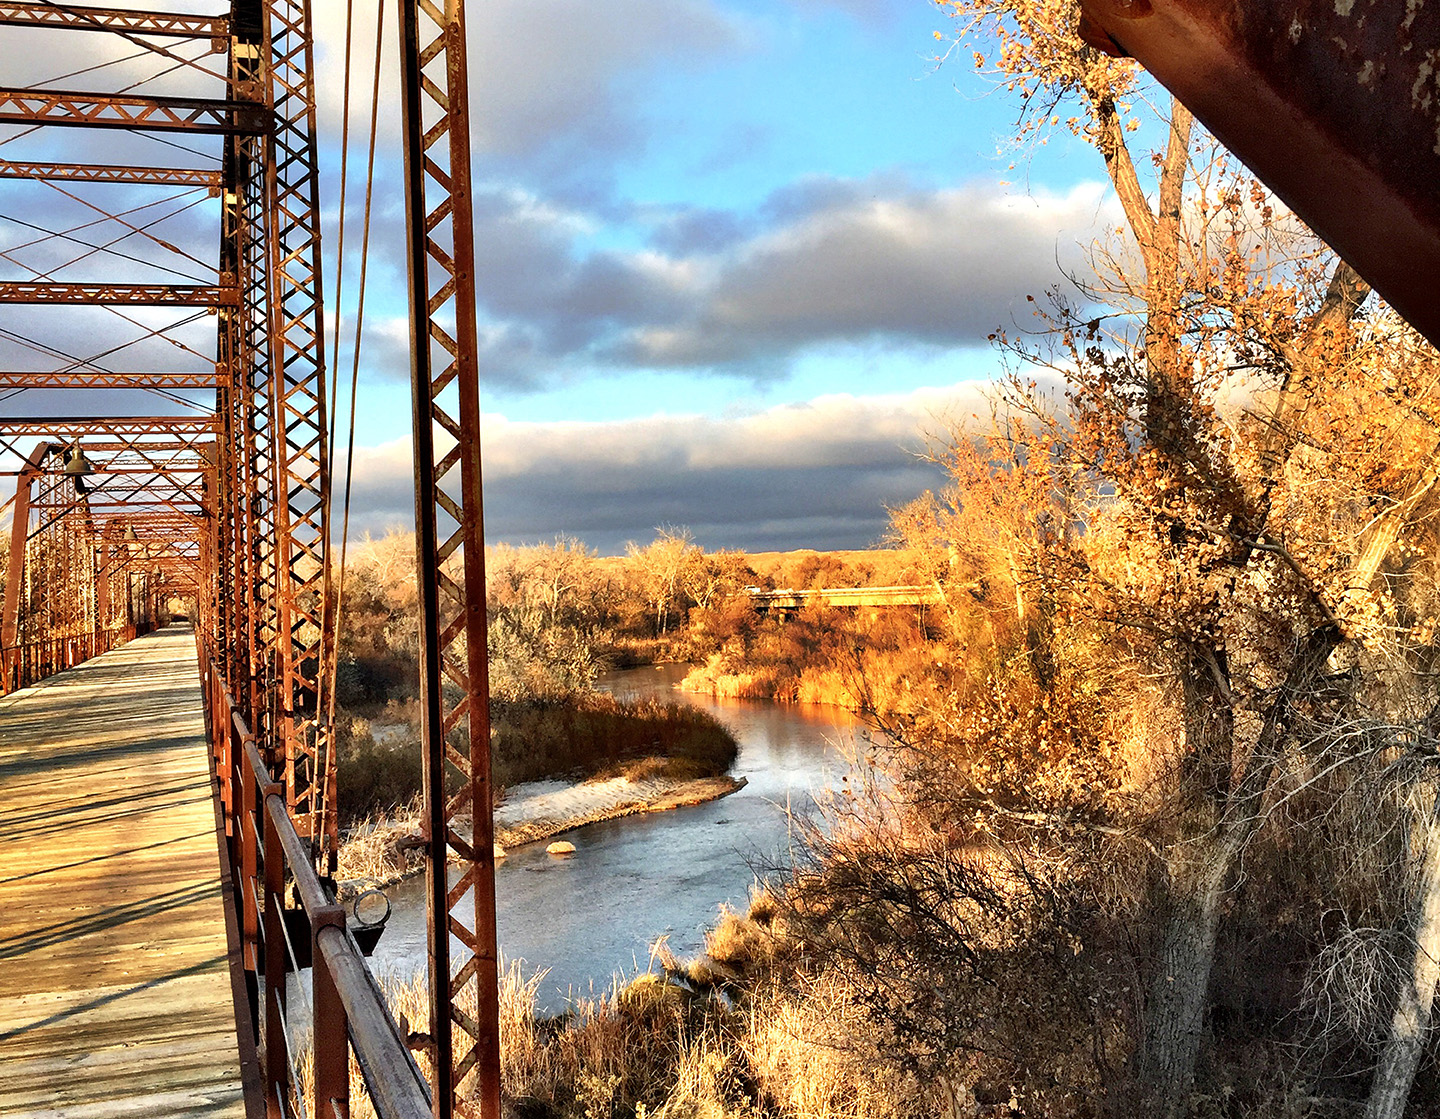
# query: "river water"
x,y
594,915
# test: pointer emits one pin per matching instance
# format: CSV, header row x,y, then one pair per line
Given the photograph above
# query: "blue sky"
x,y
735,259
707,222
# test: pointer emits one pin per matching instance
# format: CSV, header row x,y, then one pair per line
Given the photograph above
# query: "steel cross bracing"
x,y
228,508
101,173
176,24
70,109
219,495
152,295
450,550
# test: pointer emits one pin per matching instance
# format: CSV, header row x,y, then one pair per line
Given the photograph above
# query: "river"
x,y
594,915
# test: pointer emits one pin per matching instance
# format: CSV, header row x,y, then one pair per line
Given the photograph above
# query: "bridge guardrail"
x,y
31,661
348,1010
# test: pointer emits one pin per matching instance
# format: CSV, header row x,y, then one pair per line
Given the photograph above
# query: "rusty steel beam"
x,y
15,567
143,295
105,173
156,114
153,471
243,344
93,379
174,25
299,445
150,446
67,429
1334,105
450,552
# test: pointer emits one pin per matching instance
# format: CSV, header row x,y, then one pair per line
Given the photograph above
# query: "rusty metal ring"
x,y
355,909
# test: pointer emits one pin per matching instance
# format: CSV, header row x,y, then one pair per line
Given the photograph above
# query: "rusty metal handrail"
x,y
348,1010
29,662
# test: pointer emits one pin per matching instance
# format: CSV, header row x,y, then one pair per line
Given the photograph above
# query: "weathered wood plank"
x,y
115,994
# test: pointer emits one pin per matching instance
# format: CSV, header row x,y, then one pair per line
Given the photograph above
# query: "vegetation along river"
x,y
595,914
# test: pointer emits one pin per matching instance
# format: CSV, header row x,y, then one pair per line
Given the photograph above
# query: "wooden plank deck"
x,y
115,991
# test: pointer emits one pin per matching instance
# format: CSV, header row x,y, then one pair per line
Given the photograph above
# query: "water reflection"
x,y
635,879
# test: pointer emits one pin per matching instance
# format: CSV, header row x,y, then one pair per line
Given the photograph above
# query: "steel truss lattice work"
x,y
220,506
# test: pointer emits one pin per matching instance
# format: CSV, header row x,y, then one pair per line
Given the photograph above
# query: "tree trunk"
x,y
1410,1026
1175,1011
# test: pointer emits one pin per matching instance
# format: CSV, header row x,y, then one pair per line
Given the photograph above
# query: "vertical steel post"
x,y
332,1045
451,559
277,1070
300,438
14,577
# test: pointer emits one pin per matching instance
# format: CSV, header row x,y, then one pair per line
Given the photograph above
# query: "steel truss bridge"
x,y
160,271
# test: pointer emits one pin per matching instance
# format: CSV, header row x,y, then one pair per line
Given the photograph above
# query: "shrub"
x,y
596,735
374,778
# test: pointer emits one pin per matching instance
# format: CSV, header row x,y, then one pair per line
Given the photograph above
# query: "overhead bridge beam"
x,y
154,114
174,25
69,428
102,173
93,379
1332,105
148,295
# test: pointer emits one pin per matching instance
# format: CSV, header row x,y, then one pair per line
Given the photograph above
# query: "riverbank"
x,y
382,850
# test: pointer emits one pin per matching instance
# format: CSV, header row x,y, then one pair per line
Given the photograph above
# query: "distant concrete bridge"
x,y
787,599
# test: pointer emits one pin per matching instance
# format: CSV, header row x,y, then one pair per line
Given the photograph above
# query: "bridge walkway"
x,y
115,985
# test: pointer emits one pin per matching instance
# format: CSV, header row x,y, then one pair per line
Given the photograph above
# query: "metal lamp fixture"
x,y
76,464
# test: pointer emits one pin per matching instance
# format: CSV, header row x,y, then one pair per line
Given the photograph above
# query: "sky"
x,y
736,258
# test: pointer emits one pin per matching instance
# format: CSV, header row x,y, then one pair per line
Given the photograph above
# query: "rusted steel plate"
x,y
1334,104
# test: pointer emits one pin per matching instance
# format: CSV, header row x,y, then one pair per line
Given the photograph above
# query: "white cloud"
x,y
545,75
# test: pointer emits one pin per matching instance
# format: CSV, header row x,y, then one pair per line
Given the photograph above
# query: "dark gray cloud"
x,y
823,262
698,230
938,268
819,474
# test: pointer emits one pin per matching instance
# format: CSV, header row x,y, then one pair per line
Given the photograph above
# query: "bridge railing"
x,y
349,1014
29,663
790,598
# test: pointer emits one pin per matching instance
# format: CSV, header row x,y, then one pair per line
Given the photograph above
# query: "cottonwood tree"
x,y
711,576
1085,593
1219,582
662,567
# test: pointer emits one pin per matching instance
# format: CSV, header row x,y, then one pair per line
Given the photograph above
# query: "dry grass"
x,y
370,852
662,1048
811,1054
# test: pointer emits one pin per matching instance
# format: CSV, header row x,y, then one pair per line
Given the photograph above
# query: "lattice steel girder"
x,y
104,173
152,490
294,393
19,529
160,114
170,520
450,551
123,21
93,379
158,471
67,429
174,25
142,295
